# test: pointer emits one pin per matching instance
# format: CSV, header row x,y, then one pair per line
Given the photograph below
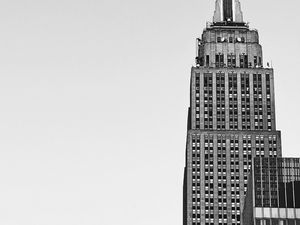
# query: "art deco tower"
x,y
231,118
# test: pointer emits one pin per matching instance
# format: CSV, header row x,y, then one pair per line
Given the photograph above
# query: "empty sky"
x,y
93,104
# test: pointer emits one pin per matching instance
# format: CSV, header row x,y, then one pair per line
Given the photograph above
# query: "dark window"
x,y
259,61
282,202
219,60
275,222
297,194
244,61
255,61
207,60
289,195
201,61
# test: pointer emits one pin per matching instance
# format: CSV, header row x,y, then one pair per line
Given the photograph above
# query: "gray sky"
x,y
93,104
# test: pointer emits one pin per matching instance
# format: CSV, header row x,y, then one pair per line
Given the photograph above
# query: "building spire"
x,y
228,11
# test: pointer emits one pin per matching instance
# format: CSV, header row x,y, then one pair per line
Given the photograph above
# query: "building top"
x,y
228,13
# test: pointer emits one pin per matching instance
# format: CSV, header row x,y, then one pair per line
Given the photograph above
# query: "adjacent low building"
x,y
273,196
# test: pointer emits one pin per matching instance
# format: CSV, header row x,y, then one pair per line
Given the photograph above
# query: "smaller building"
x,y
273,195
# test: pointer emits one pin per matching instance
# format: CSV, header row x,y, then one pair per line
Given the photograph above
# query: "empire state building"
x,y
231,118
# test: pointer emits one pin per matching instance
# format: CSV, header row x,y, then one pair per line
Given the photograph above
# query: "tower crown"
x,y
228,12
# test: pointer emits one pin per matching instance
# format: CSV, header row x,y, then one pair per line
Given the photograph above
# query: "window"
x,y
255,61
199,61
259,61
231,61
207,60
219,60
244,61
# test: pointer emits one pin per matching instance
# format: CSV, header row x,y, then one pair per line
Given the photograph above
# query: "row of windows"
x,y
257,142
219,61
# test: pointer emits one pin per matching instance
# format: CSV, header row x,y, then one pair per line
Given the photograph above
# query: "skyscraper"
x,y
231,118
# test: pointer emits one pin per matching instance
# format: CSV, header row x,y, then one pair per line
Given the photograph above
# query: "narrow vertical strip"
x,y
221,10
233,11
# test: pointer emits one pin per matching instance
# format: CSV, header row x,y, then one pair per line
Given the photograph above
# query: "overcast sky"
x,y
93,104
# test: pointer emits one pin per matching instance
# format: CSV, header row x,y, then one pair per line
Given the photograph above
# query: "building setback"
x,y
231,118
